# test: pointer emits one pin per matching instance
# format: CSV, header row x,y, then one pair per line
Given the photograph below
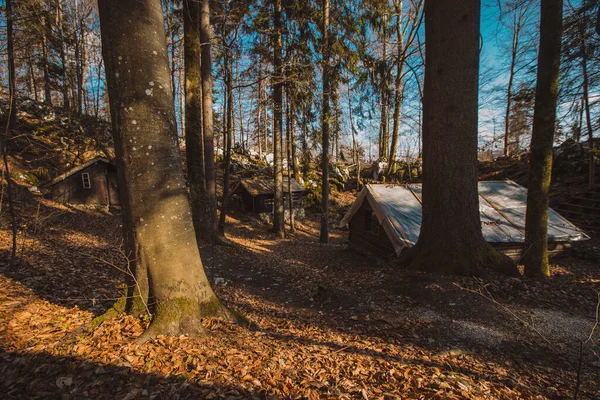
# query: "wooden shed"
x,y
257,194
385,219
94,182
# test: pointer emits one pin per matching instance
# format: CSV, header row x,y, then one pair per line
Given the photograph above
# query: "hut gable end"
x,y
93,183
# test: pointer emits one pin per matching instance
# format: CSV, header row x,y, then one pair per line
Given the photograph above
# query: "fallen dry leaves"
x,y
297,350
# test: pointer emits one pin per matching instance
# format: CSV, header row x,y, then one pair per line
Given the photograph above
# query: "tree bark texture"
x,y
227,140
325,125
207,118
157,215
194,146
535,252
277,119
451,240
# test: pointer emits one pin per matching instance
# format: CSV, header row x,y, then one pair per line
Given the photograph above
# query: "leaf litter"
x,y
330,323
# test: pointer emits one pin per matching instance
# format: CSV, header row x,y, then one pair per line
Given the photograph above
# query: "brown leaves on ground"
x,y
331,323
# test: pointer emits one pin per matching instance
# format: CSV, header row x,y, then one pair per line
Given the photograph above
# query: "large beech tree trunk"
x,y
451,240
194,146
157,215
535,256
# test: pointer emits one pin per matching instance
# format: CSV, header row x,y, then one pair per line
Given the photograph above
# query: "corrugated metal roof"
x,y
502,206
266,186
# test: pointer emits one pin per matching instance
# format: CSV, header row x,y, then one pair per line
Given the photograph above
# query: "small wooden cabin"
x,y
257,194
94,183
384,220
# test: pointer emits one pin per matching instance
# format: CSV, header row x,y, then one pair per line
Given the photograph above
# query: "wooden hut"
x,y
385,220
94,183
257,194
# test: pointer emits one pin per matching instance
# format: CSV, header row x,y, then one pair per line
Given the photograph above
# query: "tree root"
x,y
184,316
479,261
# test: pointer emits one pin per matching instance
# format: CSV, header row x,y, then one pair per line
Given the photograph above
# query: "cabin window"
x,y
368,220
87,183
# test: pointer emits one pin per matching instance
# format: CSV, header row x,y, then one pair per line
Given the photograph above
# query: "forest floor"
x,y
330,322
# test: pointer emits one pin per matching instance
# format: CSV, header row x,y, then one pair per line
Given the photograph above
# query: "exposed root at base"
x,y
479,262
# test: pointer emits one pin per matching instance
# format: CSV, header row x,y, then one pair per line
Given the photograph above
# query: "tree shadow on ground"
x,y
336,288
44,376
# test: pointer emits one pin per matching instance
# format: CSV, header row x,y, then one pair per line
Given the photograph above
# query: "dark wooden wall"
x,y
103,191
366,233
263,203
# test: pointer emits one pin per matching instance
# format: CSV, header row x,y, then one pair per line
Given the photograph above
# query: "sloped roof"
x,y
502,206
266,186
76,169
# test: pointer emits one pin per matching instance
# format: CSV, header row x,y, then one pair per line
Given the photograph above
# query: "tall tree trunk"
x,y
78,58
156,208
451,240
260,111
535,252
12,78
11,123
227,140
398,91
325,125
383,146
207,119
278,217
194,144
586,99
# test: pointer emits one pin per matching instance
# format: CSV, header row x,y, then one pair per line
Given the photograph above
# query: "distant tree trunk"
x,y
305,151
31,81
397,89
63,55
355,155
156,209
292,139
289,135
207,118
511,76
277,119
47,91
451,240
194,144
535,252
242,136
227,140
325,123
260,112
78,59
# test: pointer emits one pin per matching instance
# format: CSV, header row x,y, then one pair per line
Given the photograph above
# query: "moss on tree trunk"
x,y
535,253
157,215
